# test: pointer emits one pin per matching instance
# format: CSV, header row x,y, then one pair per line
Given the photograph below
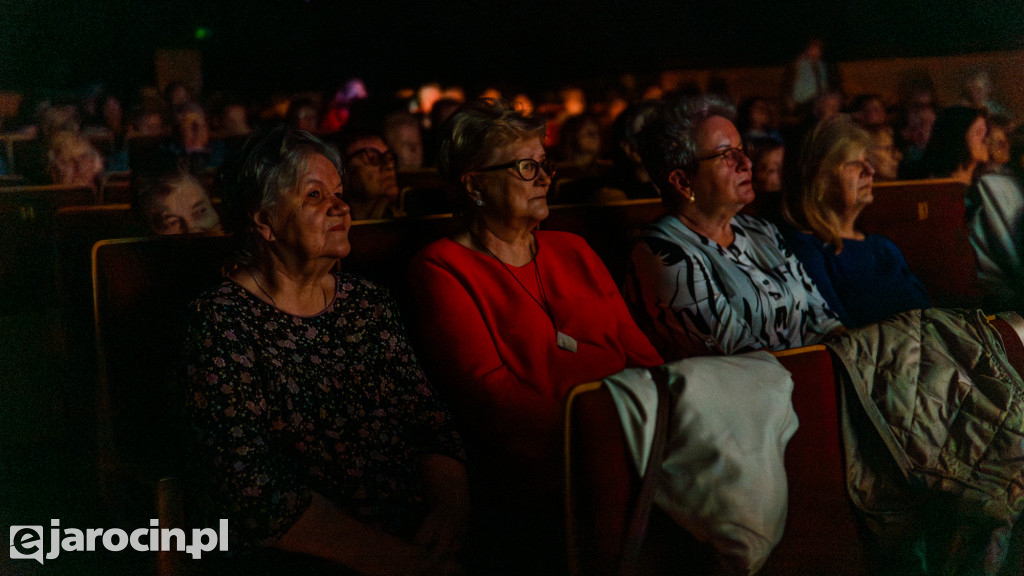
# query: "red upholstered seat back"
x,y
821,528
608,228
602,485
1010,326
602,482
926,219
26,231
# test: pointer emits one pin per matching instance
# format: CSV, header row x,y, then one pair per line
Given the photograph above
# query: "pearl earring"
x,y
692,198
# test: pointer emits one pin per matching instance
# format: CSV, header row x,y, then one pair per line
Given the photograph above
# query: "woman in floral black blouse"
x,y
317,432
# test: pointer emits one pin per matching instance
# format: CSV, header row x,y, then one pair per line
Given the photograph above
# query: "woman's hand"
x,y
447,489
443,531
326,532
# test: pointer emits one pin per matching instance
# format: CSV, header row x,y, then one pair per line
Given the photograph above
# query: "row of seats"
x,y
822,530
140,286
925,218
47,245
137,288
922,217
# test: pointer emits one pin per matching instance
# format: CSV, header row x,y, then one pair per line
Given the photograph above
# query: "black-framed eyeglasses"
x,y
528,168
374,157
733,156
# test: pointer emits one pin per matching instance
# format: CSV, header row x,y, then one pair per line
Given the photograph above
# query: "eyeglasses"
x,y
862,166
528,168
375,157
733,157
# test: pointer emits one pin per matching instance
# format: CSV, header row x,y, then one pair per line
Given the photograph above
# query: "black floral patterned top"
x,y
282,406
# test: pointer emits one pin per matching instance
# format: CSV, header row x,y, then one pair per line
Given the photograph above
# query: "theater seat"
x,y
141,290
821,534
926,219
423,192
602,487
608,228
26,232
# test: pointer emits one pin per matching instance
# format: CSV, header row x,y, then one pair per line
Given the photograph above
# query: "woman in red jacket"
x,y
512,319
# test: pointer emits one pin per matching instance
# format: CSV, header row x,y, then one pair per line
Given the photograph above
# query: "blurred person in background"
x,y
403,134
883,154
169,199
767,156
303,114
995,203
915,130
868,111
72,160
371,184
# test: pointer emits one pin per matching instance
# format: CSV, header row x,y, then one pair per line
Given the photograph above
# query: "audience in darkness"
x,y
371,185
757,117
72,160
883,154
868,110
303,114
973,142
168,199
403,134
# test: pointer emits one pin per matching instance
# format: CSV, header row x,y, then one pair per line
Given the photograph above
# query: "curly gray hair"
x,y
668,141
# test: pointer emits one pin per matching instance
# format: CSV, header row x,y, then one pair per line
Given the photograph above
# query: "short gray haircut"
x,y
668,141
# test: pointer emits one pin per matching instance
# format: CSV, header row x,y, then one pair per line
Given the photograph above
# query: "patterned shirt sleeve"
x,y
240,473
430,423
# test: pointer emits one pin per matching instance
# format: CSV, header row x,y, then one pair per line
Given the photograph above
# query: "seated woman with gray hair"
x,y
169,199
512,318
71,159
705,279
316,433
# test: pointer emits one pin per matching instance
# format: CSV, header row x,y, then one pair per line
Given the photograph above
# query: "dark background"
x,y
265,46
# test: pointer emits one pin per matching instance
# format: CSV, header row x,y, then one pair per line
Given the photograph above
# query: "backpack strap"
x,y
637,530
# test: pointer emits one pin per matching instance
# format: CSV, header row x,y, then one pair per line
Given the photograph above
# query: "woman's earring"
x,y
692,198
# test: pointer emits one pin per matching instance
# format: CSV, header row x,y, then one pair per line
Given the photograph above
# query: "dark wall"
x,y
283,45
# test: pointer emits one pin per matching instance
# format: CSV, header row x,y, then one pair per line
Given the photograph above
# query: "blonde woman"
x,y
864,277
512,318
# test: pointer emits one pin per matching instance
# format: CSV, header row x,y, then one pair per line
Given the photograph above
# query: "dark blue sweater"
x,y
868,282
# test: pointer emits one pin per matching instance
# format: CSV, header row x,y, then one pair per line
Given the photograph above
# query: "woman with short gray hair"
x,y
705,279
316,432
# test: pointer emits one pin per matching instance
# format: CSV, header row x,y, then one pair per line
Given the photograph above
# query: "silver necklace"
x,y
562,340
260,286
268,295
